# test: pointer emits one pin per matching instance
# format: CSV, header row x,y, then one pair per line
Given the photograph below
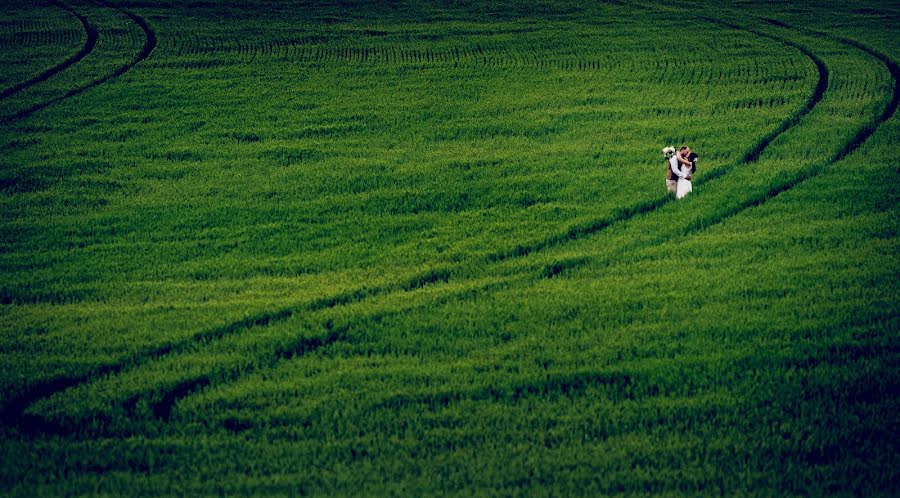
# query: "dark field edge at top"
x,y
13,412
89,30
150,42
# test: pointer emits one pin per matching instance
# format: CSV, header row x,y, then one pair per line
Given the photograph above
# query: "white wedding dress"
x,y
684,186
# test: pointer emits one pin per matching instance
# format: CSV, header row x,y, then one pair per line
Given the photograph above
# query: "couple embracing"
x,y
682,166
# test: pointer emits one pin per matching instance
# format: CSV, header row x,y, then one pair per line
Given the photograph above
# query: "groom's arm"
x,y
676,170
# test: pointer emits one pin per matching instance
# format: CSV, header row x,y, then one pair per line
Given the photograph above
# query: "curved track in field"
x,y
13,414
807,173
888,111
150,42
88,47
750,157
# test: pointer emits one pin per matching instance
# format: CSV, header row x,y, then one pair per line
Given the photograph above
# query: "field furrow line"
x,y
89,44
385,55
150,42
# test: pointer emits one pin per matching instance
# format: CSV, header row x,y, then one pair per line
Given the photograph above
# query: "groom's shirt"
x,y
675,167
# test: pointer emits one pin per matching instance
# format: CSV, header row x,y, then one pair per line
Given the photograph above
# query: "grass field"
x,y
425,248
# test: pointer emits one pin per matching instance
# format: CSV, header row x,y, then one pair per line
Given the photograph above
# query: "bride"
x,y
684,185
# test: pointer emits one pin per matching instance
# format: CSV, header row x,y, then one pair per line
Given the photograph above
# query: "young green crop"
x,y
422,249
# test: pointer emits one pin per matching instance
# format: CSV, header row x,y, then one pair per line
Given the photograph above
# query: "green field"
x,y
425,248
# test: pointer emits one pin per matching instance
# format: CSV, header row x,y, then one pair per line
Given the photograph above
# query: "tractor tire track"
x,y
161,402
750,157
88,47
13,409
889,109
793,120
162,409
150,42
13,413
848,148
797,178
